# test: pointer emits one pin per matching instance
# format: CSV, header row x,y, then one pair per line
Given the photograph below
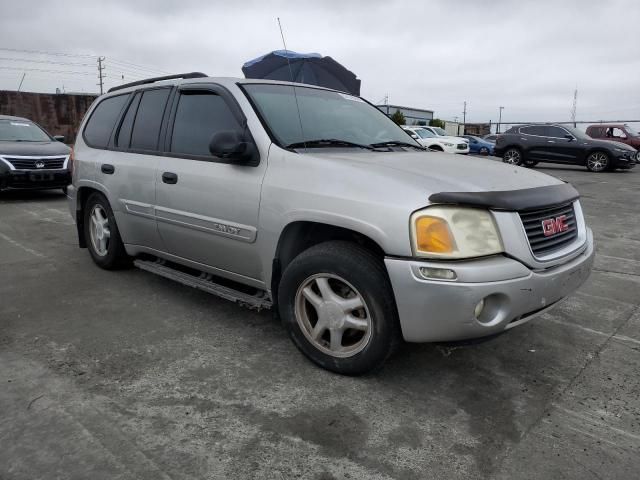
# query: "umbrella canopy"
x,y
310,68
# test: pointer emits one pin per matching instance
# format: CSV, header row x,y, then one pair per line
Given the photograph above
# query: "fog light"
x,y
479,307
438,273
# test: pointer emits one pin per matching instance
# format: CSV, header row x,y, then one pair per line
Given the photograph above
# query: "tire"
x,y
436,148
513,156
360,293
484,151
109,254
598,161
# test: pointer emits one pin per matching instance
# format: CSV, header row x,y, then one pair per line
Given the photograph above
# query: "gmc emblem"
x,y
552,226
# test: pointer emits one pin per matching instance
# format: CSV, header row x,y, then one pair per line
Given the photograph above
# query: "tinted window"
x,y
103,119
124,135
533,130
555,132
146,129
198,116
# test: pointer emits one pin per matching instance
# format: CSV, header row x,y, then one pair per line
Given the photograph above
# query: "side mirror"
x,y
59,138
569,137
232,145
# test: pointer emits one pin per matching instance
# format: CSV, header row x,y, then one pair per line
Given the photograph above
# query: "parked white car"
x,y
427,138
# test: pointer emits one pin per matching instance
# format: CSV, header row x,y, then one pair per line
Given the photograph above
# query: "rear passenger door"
x,y
129,172
206,207
534,142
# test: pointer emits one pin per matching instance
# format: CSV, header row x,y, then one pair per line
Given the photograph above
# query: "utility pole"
x,y
101,76
499,119
386,102
574,107
464,118
22,80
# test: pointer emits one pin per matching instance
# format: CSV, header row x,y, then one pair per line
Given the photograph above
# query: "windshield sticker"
x,y
351,97
20,124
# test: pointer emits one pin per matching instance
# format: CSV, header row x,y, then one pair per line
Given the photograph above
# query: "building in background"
x,y
412,116
58,114
477,129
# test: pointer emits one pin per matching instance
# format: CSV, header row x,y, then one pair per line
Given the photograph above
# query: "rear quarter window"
x,y
103,119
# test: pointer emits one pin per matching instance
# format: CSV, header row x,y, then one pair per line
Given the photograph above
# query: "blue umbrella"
x,y
309,68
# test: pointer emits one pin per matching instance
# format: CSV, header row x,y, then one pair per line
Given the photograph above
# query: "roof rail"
x,y
158,79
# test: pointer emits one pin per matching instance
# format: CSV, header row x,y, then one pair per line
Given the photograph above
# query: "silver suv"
x,y
313,202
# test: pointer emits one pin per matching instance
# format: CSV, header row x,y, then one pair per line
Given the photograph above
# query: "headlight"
x,y
454,232
447,144
622,150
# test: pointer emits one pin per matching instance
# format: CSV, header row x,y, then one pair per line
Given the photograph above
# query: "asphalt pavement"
x,y
125,375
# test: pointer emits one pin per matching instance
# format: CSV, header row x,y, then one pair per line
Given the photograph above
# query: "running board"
x,y
206,282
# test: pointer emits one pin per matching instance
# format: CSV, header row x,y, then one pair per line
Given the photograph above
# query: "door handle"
x,y
108,169
170,178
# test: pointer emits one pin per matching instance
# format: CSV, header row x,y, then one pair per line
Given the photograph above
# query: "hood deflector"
x,y
511,200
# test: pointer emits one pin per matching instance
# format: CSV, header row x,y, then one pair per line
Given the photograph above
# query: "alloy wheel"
x,y
597,161
333,315
512,157
99,230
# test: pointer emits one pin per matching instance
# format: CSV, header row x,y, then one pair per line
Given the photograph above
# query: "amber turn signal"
x,y
433,235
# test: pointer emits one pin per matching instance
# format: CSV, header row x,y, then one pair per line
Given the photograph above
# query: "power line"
x,y
137,66
66,72
26,60
40,52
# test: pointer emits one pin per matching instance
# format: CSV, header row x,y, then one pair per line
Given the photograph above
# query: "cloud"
x,y
527,57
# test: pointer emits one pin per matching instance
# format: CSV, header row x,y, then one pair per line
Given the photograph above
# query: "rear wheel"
x,y
597,162
104,242
337,304
512,156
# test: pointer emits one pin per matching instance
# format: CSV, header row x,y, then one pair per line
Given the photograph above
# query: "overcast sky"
x,y
527,56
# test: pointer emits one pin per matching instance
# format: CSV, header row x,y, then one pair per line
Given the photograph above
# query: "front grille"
x,y
533,225
462,146
54,163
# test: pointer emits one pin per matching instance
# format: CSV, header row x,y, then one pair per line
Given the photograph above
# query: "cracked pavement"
x,y
125,375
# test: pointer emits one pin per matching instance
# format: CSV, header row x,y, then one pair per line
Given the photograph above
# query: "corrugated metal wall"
x,y
59,114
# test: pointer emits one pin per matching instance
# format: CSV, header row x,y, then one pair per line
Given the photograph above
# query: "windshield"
x,y
440,131
422,133
577,133
323,114
21,131
631,132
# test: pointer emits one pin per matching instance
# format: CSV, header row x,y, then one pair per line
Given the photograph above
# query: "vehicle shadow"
x,y
26,196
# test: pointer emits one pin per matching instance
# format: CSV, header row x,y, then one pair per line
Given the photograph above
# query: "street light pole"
x,y
499,120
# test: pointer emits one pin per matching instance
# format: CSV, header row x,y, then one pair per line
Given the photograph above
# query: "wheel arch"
x,y
82,195
299,235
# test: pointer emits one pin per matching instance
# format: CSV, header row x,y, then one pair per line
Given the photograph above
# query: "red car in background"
x,y
622,133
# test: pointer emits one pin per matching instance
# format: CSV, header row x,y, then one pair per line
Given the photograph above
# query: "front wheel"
x,y
104,242
513,156
597,162
337,304
484,151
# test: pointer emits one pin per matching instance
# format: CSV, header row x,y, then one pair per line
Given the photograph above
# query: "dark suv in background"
x,y
529,144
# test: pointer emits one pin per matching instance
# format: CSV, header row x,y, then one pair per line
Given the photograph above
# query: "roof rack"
x,y
158,79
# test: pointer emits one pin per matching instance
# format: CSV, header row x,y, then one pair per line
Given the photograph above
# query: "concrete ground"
x,y
125,375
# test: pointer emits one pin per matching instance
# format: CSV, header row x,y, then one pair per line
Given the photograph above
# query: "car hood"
x,y
33,148
615,143
455,140
432,172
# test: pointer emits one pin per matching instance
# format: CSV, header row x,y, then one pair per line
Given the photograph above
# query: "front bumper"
x,y
436,310
625,160
34,179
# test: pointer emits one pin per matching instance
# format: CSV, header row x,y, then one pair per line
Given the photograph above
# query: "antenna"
x,y
295,95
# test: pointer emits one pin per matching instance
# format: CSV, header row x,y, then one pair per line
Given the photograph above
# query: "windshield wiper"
x,y
329,142
395,143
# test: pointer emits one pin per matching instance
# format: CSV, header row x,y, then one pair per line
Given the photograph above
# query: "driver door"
x,y
206,207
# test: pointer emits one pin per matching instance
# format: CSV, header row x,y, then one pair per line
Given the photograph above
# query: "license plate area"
x,y
41,177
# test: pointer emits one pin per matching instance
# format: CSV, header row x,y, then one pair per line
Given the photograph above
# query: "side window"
x,y
146,128
538,130
618,133
555,132
199,115
123,137
103,120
